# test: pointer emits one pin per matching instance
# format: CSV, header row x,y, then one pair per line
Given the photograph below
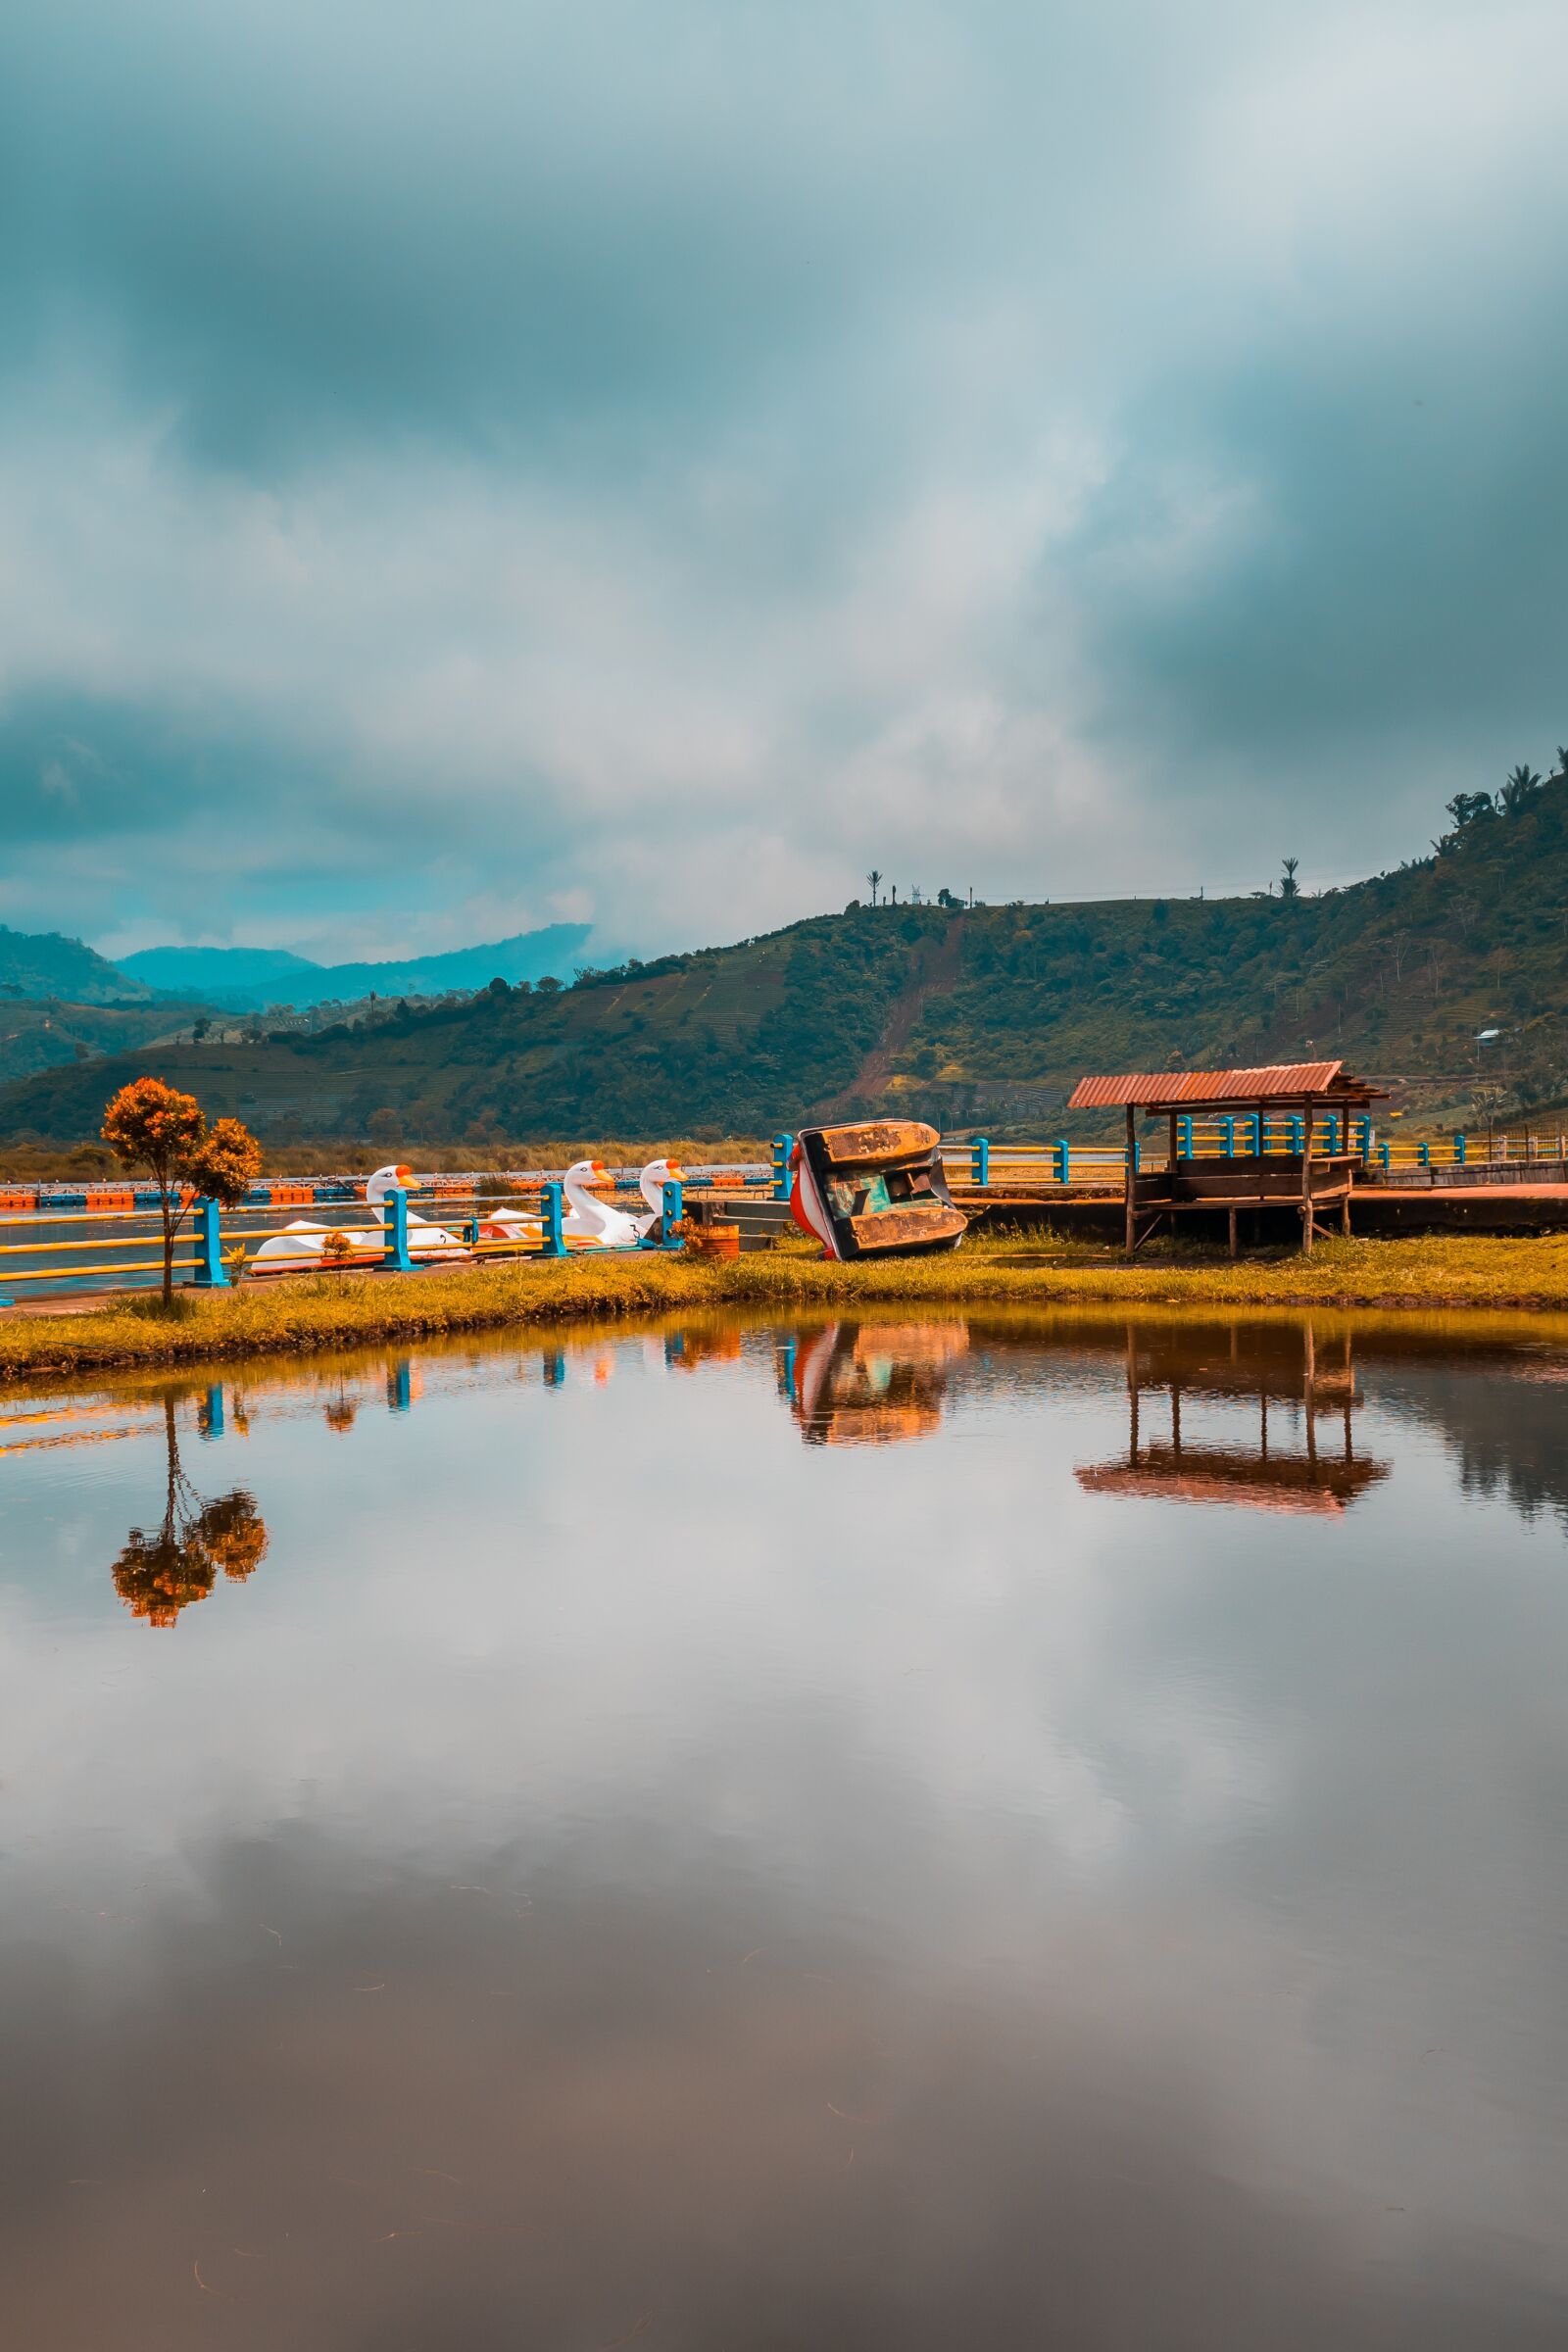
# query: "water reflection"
x,y
1255,1364
869,1384
1001,1925
161,1572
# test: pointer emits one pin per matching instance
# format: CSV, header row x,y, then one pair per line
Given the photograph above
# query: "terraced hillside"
x,y
981,1016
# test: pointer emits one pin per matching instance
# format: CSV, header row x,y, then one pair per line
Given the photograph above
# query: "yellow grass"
x,y
324,1313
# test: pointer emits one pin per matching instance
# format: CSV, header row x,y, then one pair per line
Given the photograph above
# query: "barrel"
x,y
714,1241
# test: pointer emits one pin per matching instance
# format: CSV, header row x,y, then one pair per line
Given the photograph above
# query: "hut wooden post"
x,y
1307,1185
1132,1181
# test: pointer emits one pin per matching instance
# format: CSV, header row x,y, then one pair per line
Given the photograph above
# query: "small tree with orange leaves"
x,y
151,1125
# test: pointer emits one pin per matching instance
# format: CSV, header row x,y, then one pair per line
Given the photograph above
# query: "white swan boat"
x,y
303,1246
589,1223
651,1184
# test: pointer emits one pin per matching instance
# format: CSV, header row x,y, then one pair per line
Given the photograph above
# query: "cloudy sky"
x,y
465,467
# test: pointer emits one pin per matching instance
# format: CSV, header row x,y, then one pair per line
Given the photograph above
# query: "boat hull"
x,y
875,1190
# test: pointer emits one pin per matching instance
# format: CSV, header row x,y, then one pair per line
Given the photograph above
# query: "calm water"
x,y
861,1837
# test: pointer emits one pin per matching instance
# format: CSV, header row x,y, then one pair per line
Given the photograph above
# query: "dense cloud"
x,y
464,467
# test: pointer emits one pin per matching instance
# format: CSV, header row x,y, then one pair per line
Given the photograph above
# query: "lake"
x,y
853,1834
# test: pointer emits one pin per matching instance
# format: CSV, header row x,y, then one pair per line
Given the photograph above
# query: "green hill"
x,y
43,1033
45,964
972,1017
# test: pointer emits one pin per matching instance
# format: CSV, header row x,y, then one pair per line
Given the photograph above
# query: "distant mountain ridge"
x,y
249,979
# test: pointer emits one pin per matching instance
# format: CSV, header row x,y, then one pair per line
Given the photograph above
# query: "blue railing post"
x,y
1425,1152
1228,1130
550,1217
1458,1150
1138,1156
210,1275
1366,1138
783,1146
675,1210
396,1226
980,1160
1255,1143
1383,1155
1061,1161
1183,1138
1297,1137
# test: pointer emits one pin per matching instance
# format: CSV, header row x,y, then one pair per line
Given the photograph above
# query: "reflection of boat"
x,y
869,1384
1272,1365
304,1246
874,1191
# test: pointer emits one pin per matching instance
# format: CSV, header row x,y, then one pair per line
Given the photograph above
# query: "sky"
x,y
469,467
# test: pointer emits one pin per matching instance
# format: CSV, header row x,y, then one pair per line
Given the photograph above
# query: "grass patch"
x,y
330,1312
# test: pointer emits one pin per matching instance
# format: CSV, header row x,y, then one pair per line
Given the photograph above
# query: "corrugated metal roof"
x,y
1186,1087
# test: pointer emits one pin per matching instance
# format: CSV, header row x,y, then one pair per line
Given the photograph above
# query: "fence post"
x,y
549,1207
1061,1161
1425,1152
675,1210
1366,1138
1228,1130
1138,1156
1255,1139
1383,1155
980,1160
396,1252
1183,1138
210,1275
1458,1150
783,1146
1297,1136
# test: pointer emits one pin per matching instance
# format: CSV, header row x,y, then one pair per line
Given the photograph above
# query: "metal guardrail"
x,y
122,1242
982,1166
126,1245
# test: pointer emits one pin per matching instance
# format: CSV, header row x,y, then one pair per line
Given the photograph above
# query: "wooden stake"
x,y
1306,1184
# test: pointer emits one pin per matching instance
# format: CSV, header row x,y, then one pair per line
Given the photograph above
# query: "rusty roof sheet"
x,y
1186,1087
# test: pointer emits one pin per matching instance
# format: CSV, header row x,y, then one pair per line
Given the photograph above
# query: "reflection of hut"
x,y
869,1384
1267,1365
1293,1122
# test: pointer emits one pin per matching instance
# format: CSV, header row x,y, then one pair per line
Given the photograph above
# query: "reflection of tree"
x,y
339,1411
159,1574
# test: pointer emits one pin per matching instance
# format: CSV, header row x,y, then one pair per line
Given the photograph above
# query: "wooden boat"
x,y
874,1191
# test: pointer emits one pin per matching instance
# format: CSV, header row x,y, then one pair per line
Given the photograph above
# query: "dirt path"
x,y
935,971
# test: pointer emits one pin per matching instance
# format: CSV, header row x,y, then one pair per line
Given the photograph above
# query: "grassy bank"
x,y
328,1312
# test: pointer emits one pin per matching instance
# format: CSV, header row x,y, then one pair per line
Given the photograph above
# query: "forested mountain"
x,y
45,964
976,1016
246,979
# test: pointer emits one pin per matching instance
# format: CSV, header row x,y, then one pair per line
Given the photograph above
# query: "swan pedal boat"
x,y
589,1223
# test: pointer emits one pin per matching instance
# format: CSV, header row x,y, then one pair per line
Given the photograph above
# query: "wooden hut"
x,y
1298,1155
